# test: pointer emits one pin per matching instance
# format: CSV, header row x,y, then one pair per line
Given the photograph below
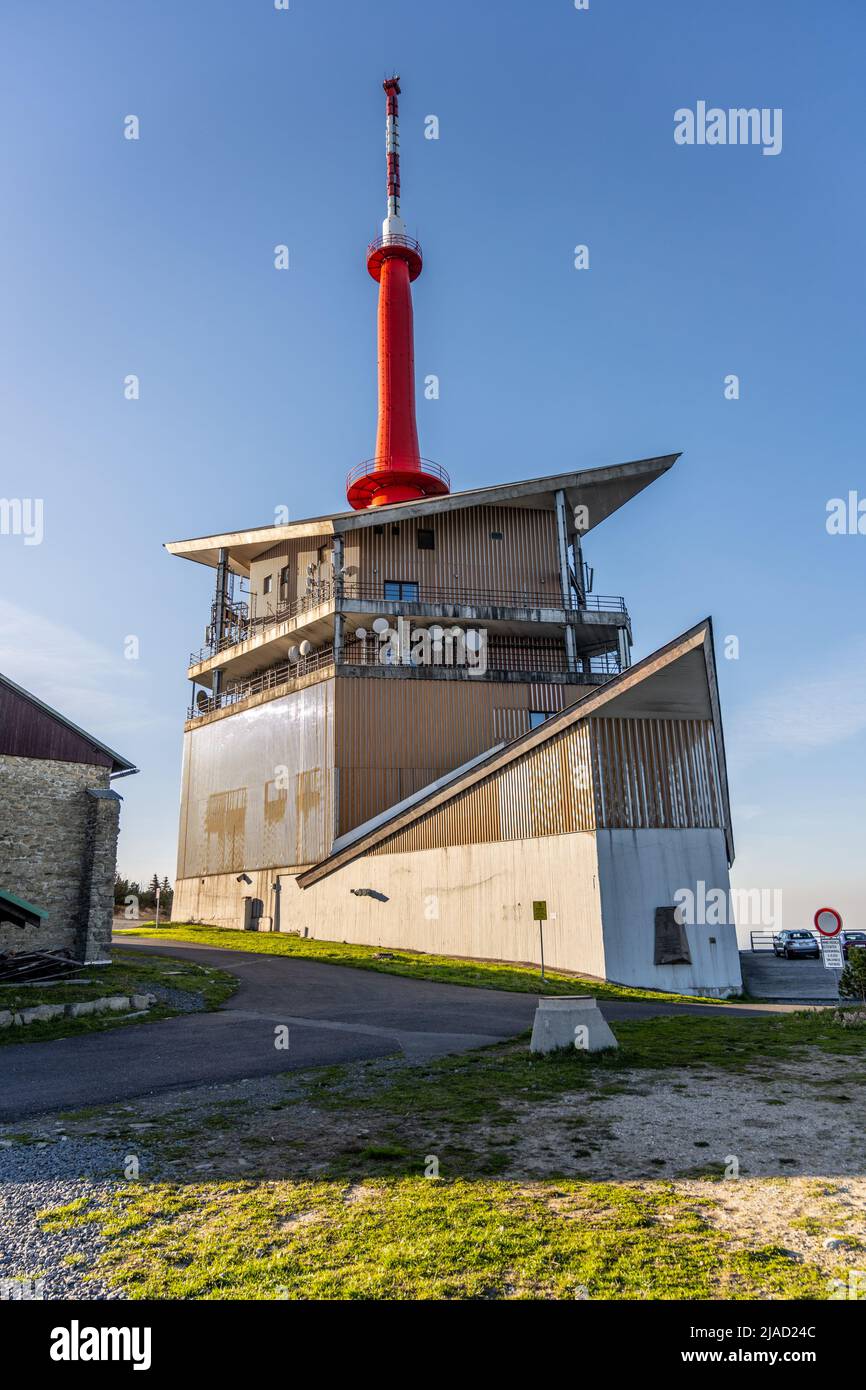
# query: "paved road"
x,y
335,1014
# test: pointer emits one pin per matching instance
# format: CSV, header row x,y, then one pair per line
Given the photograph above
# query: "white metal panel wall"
x,y
258,787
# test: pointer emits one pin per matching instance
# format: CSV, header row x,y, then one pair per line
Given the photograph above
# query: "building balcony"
x,y
506,612
503,660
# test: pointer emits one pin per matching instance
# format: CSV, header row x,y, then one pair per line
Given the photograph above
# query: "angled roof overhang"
x,y
678,681
600,490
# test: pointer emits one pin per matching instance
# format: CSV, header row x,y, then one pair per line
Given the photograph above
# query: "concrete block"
x,y
143,1001
5,1018
41,1013
86,1006
570,1020
115,1003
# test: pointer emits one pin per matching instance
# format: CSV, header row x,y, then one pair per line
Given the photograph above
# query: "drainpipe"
x,y
564,578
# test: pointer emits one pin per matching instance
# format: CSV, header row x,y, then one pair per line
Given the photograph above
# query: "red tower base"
x,y
377,483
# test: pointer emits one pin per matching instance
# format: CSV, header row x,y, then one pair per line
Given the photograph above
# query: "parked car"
x,y
795,943
853,938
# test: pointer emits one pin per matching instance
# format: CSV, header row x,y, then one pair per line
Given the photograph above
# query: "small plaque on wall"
x,y
672,946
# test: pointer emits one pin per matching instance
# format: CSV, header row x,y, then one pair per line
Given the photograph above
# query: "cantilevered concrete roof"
x,y
600,490
677,681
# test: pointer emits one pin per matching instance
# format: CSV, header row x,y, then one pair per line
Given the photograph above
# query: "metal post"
x,y
337,563
541,939
219,622
156,923
564,578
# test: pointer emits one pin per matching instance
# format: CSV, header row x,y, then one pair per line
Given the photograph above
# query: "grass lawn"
x,y
417,1238
446,970
135,975
322,1184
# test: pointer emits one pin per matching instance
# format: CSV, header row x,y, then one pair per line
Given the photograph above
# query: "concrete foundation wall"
x,y
57,851
470,900
640,870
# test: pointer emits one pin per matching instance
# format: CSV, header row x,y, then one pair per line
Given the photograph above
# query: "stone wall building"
x,y
59,820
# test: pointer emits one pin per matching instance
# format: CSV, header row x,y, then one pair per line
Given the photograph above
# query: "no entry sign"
x,y
828,921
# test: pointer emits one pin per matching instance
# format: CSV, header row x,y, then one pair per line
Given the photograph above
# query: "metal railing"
x,y
290,608
369,467
502,658
272,679
456,597
381,243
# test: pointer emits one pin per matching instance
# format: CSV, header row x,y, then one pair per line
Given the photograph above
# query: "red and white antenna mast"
x,y
396,473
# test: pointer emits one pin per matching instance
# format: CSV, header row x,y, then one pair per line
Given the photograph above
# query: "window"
x,y
378,530
426,540
401,590
284,576
266,586
538,716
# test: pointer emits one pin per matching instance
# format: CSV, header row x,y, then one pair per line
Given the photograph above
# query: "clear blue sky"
x,y
258,388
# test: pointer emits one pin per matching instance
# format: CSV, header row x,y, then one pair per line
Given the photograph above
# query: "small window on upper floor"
x,y
284,576
426,540
267,584
401,590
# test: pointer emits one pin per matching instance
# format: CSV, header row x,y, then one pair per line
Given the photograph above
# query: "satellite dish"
x,y
456,632
306,648
436,633
293,654
381,625
473,640
201,699
361,634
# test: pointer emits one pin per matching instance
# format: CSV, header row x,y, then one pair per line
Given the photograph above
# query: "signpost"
x,y
829,925
539,915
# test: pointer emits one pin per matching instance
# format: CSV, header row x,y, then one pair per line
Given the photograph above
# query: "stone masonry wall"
x,y
57,850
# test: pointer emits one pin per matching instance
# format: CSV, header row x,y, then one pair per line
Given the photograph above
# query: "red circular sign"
x,y
828,912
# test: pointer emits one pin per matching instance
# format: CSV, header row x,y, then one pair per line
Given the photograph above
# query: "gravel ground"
x,y
44,1174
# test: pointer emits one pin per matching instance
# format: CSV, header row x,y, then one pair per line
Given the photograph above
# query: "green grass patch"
x,y
520,979
415,1238
131,974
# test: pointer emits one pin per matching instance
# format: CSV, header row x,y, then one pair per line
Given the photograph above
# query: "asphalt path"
x,y
334,1014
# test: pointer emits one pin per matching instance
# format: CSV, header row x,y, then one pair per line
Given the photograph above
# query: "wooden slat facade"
x,y
611,774
394,736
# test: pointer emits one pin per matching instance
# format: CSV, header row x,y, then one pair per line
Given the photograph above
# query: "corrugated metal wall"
x,y
465,555
297,554
258,787
394,735
656,774
600,773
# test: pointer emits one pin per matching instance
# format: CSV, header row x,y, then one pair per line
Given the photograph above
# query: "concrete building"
x,y
59,819
433,671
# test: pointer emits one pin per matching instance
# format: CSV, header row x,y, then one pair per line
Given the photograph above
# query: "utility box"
x,y
570,1020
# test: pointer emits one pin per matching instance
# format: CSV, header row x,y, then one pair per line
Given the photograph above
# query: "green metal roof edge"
x,y
22,903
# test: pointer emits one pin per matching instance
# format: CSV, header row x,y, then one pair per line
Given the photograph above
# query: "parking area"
x,y
767,976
